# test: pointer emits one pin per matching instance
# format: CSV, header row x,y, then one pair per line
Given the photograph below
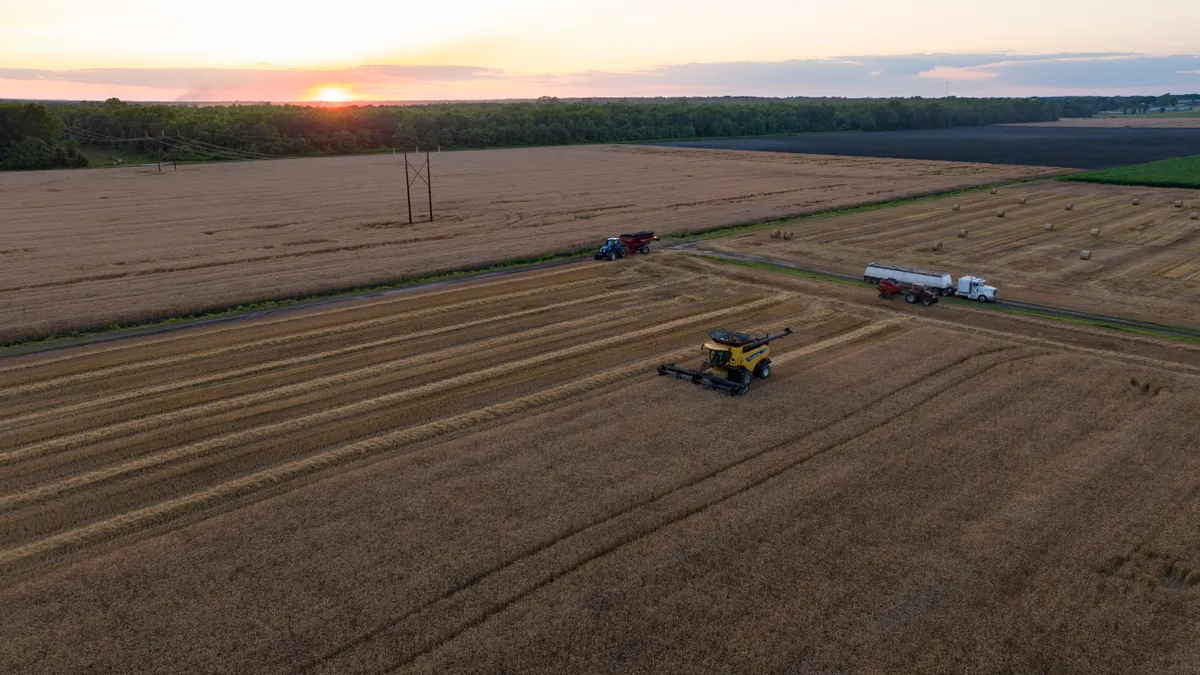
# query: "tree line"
x,y
1086,106
194,132
31,138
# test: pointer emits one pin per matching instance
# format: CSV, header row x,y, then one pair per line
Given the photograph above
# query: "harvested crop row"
x,y
181,415
423,630
318,314
268,366
102,373
416,393
142,518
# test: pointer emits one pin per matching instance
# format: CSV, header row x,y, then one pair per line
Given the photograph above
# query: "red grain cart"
x,y
913,293
638,241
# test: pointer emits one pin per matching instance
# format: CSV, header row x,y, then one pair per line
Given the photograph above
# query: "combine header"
x,y
730,361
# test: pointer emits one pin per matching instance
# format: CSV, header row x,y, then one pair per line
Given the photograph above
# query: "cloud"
x,y
982,74
952,73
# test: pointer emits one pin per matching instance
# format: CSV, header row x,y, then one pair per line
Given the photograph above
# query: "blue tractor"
x,y
611,250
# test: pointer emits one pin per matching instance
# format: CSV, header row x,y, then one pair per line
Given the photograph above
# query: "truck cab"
x,y
974,288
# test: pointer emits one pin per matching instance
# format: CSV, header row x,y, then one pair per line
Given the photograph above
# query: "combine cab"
x,y
731,360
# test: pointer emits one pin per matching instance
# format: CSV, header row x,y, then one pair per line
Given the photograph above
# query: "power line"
x,y
182,143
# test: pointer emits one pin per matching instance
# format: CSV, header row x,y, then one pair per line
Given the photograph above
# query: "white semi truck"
x,y
972,288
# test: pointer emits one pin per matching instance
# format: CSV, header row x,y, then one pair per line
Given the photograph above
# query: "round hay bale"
x,y
937,246
1195,215
1049,227
1179,203
993,190
1095,232
1136,202
955,207
962,233
775,234
788,235
999,213
1085,255
1022,200
1070,207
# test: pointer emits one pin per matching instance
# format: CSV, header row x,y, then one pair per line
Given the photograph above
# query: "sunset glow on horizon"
x,y
332,95
471,49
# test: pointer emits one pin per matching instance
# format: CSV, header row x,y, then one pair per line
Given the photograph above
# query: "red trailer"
x,y
638,241
913,293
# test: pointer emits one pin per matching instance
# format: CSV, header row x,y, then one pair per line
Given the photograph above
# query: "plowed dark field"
x,y
1072,147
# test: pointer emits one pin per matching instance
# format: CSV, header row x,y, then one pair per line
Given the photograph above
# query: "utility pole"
x,y
407,187
429,182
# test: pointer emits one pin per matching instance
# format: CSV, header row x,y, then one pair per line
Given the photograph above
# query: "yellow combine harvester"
x,y
730,361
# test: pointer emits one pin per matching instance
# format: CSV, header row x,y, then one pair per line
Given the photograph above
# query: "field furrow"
x,y
288,338
423,630
277,364
329,382
492,478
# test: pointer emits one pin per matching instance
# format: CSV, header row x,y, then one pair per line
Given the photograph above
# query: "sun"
x,y
332,95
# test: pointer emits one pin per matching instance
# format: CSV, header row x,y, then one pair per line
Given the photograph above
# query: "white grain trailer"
x,y
938,281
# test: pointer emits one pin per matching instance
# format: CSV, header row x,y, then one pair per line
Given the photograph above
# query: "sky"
x,y
255,50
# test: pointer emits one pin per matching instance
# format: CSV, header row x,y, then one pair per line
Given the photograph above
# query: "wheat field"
x,y
87,249
490,477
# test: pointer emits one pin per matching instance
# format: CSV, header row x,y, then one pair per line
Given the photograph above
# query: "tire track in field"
x,y
862,333
154,390
1108,355
148,516
139,366
350,410
308,313
141,424
654,520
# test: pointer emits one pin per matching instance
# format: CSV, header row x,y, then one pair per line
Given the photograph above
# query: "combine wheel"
x,y
911,298
644,249
763,370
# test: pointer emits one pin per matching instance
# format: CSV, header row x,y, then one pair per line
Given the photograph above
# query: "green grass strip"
x,y
1181,172
781,269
